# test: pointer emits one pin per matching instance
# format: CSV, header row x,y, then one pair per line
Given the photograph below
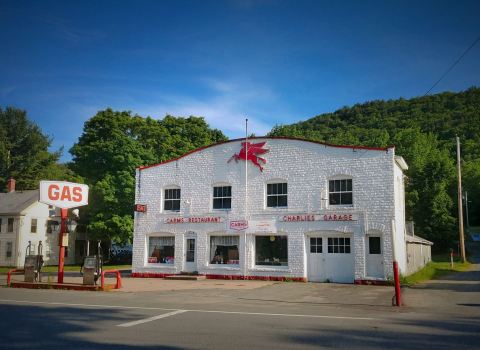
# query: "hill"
x,y
423,130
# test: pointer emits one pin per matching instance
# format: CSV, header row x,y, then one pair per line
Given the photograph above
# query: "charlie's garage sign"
x,y
63,194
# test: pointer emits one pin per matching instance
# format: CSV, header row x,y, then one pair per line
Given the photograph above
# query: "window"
x,y
190,250
374,245
8,250
33,226
172,199
340,192
271,250
339,245
222,197
66,252
315,244
224,250
277,195
161,250
10,225
0,225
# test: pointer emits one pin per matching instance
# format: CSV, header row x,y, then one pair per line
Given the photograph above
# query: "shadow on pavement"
x,y
33,327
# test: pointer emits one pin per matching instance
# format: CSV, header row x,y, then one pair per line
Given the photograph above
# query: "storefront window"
x,y
271,250
161,250
224,250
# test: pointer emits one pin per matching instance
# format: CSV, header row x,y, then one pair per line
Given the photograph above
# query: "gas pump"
x,y
92,267
33,263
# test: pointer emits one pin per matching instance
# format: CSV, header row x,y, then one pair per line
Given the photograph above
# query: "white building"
x,y
316,212
24,219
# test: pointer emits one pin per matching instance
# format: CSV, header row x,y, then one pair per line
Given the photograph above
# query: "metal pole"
x,y
61,248
246,199
460,205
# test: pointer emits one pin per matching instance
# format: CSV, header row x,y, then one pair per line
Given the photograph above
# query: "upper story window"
x,y
222,197
277,194
172,199
340,192
10,224
33,226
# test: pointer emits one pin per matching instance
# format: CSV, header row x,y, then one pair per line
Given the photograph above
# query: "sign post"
x,y
63,195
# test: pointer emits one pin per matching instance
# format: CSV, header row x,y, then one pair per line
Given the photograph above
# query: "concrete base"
x,y
65,286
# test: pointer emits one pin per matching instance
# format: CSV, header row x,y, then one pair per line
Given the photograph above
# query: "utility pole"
x,y
460,204
466,211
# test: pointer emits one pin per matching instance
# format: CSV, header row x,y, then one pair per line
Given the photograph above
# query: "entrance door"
x,y
190,254
316,259
374,257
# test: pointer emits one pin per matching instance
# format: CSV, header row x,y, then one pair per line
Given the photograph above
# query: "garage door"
x,y
330,258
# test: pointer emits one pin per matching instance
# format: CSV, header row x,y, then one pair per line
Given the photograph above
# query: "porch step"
x,y
185,277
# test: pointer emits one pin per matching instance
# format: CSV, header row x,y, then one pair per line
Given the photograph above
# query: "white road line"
x,y
150,319
184,310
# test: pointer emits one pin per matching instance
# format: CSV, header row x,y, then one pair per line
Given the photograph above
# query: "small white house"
x,y
295,209
24,219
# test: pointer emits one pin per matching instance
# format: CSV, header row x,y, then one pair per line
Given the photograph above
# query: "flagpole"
x,y
246,199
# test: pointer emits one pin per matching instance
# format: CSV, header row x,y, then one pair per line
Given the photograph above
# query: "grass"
x,y
69,268
439,266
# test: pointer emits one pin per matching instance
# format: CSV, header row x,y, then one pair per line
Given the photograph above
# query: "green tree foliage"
x,y
112,146
24,152
423,131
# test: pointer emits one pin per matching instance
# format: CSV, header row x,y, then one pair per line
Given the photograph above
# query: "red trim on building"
x,y
224,277
373,282
267,138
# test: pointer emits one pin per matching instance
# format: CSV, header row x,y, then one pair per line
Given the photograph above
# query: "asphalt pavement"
x,y
217,314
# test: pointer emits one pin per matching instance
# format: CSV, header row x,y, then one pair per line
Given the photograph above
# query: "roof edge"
x,y
384,149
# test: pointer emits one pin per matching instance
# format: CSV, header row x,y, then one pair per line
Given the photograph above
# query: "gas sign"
x,y
63,194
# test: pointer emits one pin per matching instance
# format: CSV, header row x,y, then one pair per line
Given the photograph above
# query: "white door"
x,y
339,259
374,257
190,254
316,259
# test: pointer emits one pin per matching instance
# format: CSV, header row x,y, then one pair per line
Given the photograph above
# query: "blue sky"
x,y
275,62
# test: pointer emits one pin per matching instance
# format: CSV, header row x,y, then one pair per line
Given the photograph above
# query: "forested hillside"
x,y
423,130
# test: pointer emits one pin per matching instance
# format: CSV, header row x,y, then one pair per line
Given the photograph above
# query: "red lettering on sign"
x,y
66,194
77,194
53,192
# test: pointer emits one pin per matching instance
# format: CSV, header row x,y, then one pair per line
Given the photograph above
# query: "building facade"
x,y
272,208
24,220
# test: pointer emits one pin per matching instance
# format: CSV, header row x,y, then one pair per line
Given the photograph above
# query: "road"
x,y
442,314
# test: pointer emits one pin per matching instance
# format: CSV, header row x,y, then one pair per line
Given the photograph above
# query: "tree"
x,y
112,146
24,151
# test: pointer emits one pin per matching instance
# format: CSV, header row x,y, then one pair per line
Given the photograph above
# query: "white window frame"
x,y
275,182
165,199
213,196
32,220
209,263
340,246
147,250
340,178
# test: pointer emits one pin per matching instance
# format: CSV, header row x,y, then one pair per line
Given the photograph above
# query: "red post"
x,y
396,279
61,251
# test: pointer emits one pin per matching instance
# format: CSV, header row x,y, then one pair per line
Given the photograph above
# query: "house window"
x,y
10,224
172,199
8,250
222,197
161,250
340,192
374,245
224,250
315,244
277,195
33,226
0,225
271,250
339,245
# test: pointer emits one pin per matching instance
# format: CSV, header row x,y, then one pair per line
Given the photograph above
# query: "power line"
x,y
453,65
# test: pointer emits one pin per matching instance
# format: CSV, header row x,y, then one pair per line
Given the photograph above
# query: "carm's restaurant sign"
x,y
324,217
194,220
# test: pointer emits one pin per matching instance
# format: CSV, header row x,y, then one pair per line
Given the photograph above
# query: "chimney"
x,y
11,185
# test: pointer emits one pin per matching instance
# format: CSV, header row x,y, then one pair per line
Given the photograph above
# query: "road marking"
x,y
150,319
184,310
